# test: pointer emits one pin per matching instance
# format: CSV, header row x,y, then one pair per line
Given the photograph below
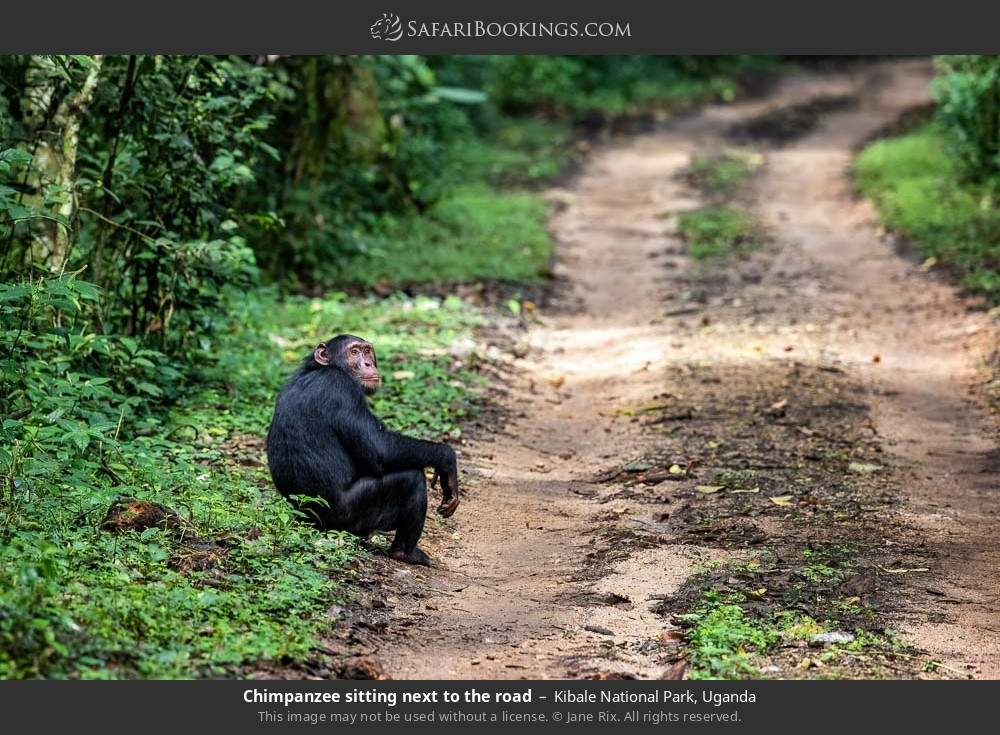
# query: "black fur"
x,y
325,441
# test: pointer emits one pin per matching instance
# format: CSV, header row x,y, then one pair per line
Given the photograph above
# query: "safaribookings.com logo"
x,y
390,28
387,28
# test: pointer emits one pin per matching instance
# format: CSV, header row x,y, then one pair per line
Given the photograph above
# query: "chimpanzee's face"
x,y
354,356
359,360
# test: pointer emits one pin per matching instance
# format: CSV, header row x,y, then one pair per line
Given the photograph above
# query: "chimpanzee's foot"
x,y
417,556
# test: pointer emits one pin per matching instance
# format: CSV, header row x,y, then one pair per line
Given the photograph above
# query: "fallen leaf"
x,y
782,499
556,381
676,469
746,490
709,489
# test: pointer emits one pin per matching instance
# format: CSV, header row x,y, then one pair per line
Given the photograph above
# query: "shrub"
x,y
968,95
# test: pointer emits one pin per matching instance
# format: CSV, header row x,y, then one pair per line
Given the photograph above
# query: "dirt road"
x,y
550,570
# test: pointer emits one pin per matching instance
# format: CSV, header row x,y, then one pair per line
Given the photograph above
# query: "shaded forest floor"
x,y
744,438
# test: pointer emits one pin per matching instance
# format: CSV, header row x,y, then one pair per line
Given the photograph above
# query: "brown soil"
x,y
823,366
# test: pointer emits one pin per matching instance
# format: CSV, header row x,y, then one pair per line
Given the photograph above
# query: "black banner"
x,y
514,26
533,706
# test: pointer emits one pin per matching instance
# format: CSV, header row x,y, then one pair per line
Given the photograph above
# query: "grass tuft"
x,y
712,232
724,173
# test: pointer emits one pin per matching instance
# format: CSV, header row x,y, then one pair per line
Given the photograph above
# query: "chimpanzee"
x,y
324,441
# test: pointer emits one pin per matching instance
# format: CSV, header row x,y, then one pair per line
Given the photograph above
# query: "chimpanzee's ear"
x,y
321,354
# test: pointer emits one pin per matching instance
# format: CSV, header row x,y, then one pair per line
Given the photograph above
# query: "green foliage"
x,y
919,190
968,95
827,565
361,138
578,86
167,144
410,335
67,390
712,232
517,153
79,602
723,639
76,602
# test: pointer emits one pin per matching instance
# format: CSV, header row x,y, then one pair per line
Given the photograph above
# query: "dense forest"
x,y
177,230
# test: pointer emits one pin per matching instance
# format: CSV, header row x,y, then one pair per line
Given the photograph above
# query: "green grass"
x,y
79,602
723,640
724,173
473,233
918,189
712,232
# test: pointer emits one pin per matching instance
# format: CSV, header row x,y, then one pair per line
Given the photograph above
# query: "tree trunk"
x,y
69,119
57,113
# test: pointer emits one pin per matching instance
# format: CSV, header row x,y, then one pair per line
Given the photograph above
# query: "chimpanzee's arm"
x,y
381,451
400,452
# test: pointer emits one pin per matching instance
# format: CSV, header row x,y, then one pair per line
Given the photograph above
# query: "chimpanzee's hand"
x,y
448,475
449,493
